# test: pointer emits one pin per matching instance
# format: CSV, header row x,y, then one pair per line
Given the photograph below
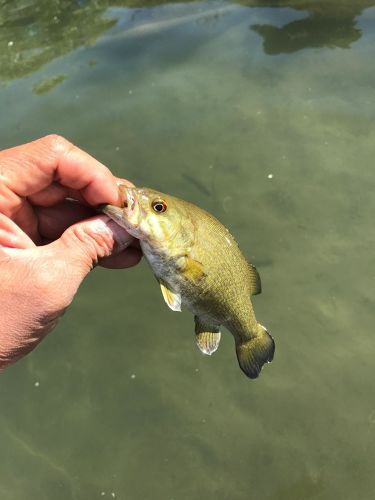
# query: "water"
x,y
261,112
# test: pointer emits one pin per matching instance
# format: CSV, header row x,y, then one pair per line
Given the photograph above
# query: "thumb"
x,y
83,244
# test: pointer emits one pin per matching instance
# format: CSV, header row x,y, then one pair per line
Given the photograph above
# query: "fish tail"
x,y
252,354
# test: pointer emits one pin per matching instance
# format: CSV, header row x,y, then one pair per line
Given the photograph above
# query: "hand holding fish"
x,y
48,243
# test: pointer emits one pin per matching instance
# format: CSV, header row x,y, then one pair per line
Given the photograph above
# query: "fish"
x,y
199,266
197,184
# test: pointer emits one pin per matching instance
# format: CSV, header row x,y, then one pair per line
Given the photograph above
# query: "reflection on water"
x,y
327,24
184,97
32,33
315,31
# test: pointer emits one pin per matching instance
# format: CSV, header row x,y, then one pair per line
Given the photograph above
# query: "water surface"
x,y
262,113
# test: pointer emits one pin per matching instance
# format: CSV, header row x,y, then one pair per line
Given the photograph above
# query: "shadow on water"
x,y
33,33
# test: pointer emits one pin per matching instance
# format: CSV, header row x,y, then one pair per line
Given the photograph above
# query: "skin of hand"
x,y
51,237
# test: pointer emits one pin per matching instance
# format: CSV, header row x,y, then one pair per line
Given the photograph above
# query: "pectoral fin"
x,y
207,336
256,286
173,300
193,270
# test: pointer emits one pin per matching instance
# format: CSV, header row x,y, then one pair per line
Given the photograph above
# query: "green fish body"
x,y
200,266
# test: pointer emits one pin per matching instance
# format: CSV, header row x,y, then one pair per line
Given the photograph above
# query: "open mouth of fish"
x,y
125,216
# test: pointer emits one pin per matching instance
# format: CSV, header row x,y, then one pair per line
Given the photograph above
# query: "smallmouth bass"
x,y
199,266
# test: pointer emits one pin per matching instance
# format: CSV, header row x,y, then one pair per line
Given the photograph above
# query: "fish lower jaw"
x,y
130,228
134,231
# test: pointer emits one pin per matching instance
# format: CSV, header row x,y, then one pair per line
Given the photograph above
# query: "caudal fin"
x,y
254,353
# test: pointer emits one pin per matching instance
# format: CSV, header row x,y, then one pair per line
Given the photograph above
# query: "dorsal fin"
x,y
255,284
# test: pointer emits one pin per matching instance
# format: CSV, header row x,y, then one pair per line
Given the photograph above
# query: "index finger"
x,y
32,167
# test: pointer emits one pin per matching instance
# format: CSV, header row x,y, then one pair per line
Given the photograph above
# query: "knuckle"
x,y
57,143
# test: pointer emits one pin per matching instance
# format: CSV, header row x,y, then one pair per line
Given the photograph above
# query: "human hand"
x,y
49,243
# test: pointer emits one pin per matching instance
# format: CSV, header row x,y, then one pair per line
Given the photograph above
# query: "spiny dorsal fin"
x,y
255,284
173,300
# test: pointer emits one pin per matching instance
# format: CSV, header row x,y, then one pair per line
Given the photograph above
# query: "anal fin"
x,y
255,283
207,336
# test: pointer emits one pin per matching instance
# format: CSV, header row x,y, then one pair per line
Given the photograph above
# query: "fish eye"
x,y
159,206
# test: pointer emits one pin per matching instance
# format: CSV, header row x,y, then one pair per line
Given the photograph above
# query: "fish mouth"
x,y
115,213
131,207
129,201
128,215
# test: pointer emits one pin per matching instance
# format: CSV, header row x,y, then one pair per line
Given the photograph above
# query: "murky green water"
x,y
263,113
